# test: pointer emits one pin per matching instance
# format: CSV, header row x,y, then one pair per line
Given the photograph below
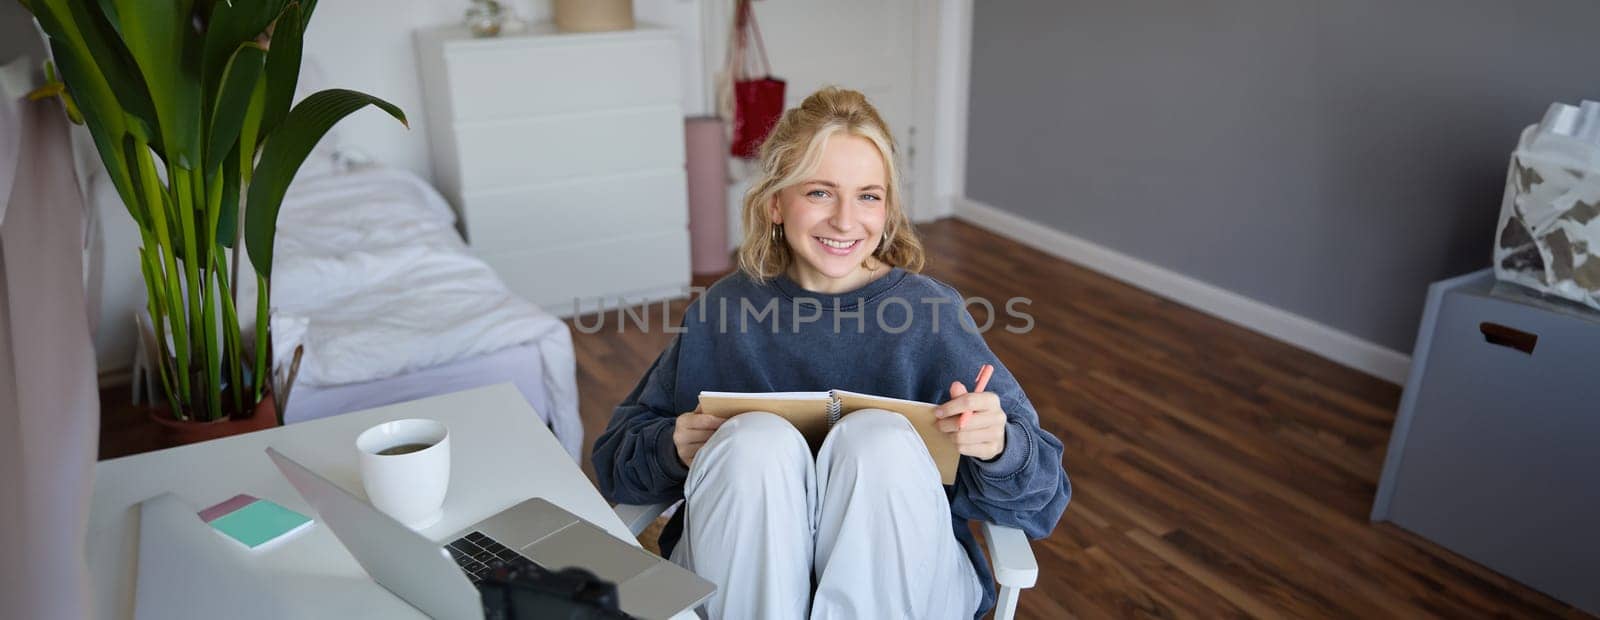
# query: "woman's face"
x,y
833,220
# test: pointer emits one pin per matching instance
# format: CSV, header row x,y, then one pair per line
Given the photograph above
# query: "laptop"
x,y
438,580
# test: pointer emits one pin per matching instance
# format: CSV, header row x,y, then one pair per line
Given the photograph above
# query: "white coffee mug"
x,y
408,486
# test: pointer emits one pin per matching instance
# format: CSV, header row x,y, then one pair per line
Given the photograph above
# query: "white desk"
x,y
500,455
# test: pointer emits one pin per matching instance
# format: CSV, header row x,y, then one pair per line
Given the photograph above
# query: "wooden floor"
x,y
1215,472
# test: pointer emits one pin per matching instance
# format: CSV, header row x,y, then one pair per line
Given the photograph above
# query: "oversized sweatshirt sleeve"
x,y
1026,485
635,459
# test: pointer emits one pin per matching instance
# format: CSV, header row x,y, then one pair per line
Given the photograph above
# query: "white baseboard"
x,y
1325,341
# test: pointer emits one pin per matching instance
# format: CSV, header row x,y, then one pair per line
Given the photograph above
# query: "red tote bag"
x,y
757,100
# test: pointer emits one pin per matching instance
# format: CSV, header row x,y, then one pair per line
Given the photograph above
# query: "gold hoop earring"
x,y
777,233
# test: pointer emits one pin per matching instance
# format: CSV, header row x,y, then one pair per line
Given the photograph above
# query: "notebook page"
x,y
767,395
807,411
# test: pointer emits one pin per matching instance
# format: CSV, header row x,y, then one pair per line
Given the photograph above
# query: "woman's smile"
x,y
838,247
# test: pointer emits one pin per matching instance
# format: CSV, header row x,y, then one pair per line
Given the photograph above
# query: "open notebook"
x,y
813,413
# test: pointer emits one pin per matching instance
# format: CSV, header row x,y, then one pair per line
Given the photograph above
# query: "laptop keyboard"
x,y
478,554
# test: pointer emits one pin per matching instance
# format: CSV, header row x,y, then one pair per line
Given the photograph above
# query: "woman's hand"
x,y
691,432
984,436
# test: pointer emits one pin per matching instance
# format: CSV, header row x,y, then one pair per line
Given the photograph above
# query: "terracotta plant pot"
x,y
176,432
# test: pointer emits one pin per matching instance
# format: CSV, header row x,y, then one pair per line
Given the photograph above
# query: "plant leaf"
x,y
249,131
228,220
159,37
283,66
233,100
229,24
285,149
95,33
307,7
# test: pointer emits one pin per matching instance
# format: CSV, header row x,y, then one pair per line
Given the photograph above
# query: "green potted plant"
x,y
188,103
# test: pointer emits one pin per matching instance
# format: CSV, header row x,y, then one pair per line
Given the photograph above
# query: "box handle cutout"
x,y
1497,334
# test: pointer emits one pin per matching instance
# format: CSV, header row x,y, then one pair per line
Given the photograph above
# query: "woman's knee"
x,y
874,434
756,438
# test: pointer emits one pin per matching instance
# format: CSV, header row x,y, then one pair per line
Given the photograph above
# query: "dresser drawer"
x,y
554,278
504,155
574,212
509,82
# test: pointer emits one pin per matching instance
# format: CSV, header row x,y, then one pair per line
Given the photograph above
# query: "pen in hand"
x,y
983,382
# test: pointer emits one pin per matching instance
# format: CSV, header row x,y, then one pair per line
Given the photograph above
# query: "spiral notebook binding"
x,y
833,408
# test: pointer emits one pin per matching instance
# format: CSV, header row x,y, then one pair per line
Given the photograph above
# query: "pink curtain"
x,y
49,402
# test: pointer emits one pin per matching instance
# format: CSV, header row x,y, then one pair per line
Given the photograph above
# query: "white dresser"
x,y
563,155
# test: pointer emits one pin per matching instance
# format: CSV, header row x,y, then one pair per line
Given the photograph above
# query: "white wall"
x,y
368,45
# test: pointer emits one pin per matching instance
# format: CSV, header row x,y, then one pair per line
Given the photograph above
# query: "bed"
x,y
371,277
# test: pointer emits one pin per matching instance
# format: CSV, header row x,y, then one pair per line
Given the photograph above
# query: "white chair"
x,y
1015,568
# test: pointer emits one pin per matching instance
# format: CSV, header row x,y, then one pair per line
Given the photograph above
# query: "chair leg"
x,y
1005,605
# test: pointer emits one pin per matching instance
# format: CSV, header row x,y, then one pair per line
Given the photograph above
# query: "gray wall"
x,y
1328,158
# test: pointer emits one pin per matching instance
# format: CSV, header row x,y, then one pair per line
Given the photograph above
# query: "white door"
x,y
865,45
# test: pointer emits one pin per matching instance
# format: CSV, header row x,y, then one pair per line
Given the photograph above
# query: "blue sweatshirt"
x,y
902,335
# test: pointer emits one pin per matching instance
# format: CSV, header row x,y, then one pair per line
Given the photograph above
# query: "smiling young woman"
x,y
828,177
859,526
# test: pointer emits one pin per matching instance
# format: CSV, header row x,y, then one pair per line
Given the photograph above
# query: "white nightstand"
x,y
563,155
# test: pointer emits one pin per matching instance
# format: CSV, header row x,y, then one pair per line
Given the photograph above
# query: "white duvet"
x,y
370,275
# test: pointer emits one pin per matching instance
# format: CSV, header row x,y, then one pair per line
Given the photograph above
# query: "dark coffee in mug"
x,y
405,448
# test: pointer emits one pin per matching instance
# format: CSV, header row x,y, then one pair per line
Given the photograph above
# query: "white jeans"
x,y
868,521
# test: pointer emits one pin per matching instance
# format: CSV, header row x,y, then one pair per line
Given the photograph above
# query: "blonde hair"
x,y
793,152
